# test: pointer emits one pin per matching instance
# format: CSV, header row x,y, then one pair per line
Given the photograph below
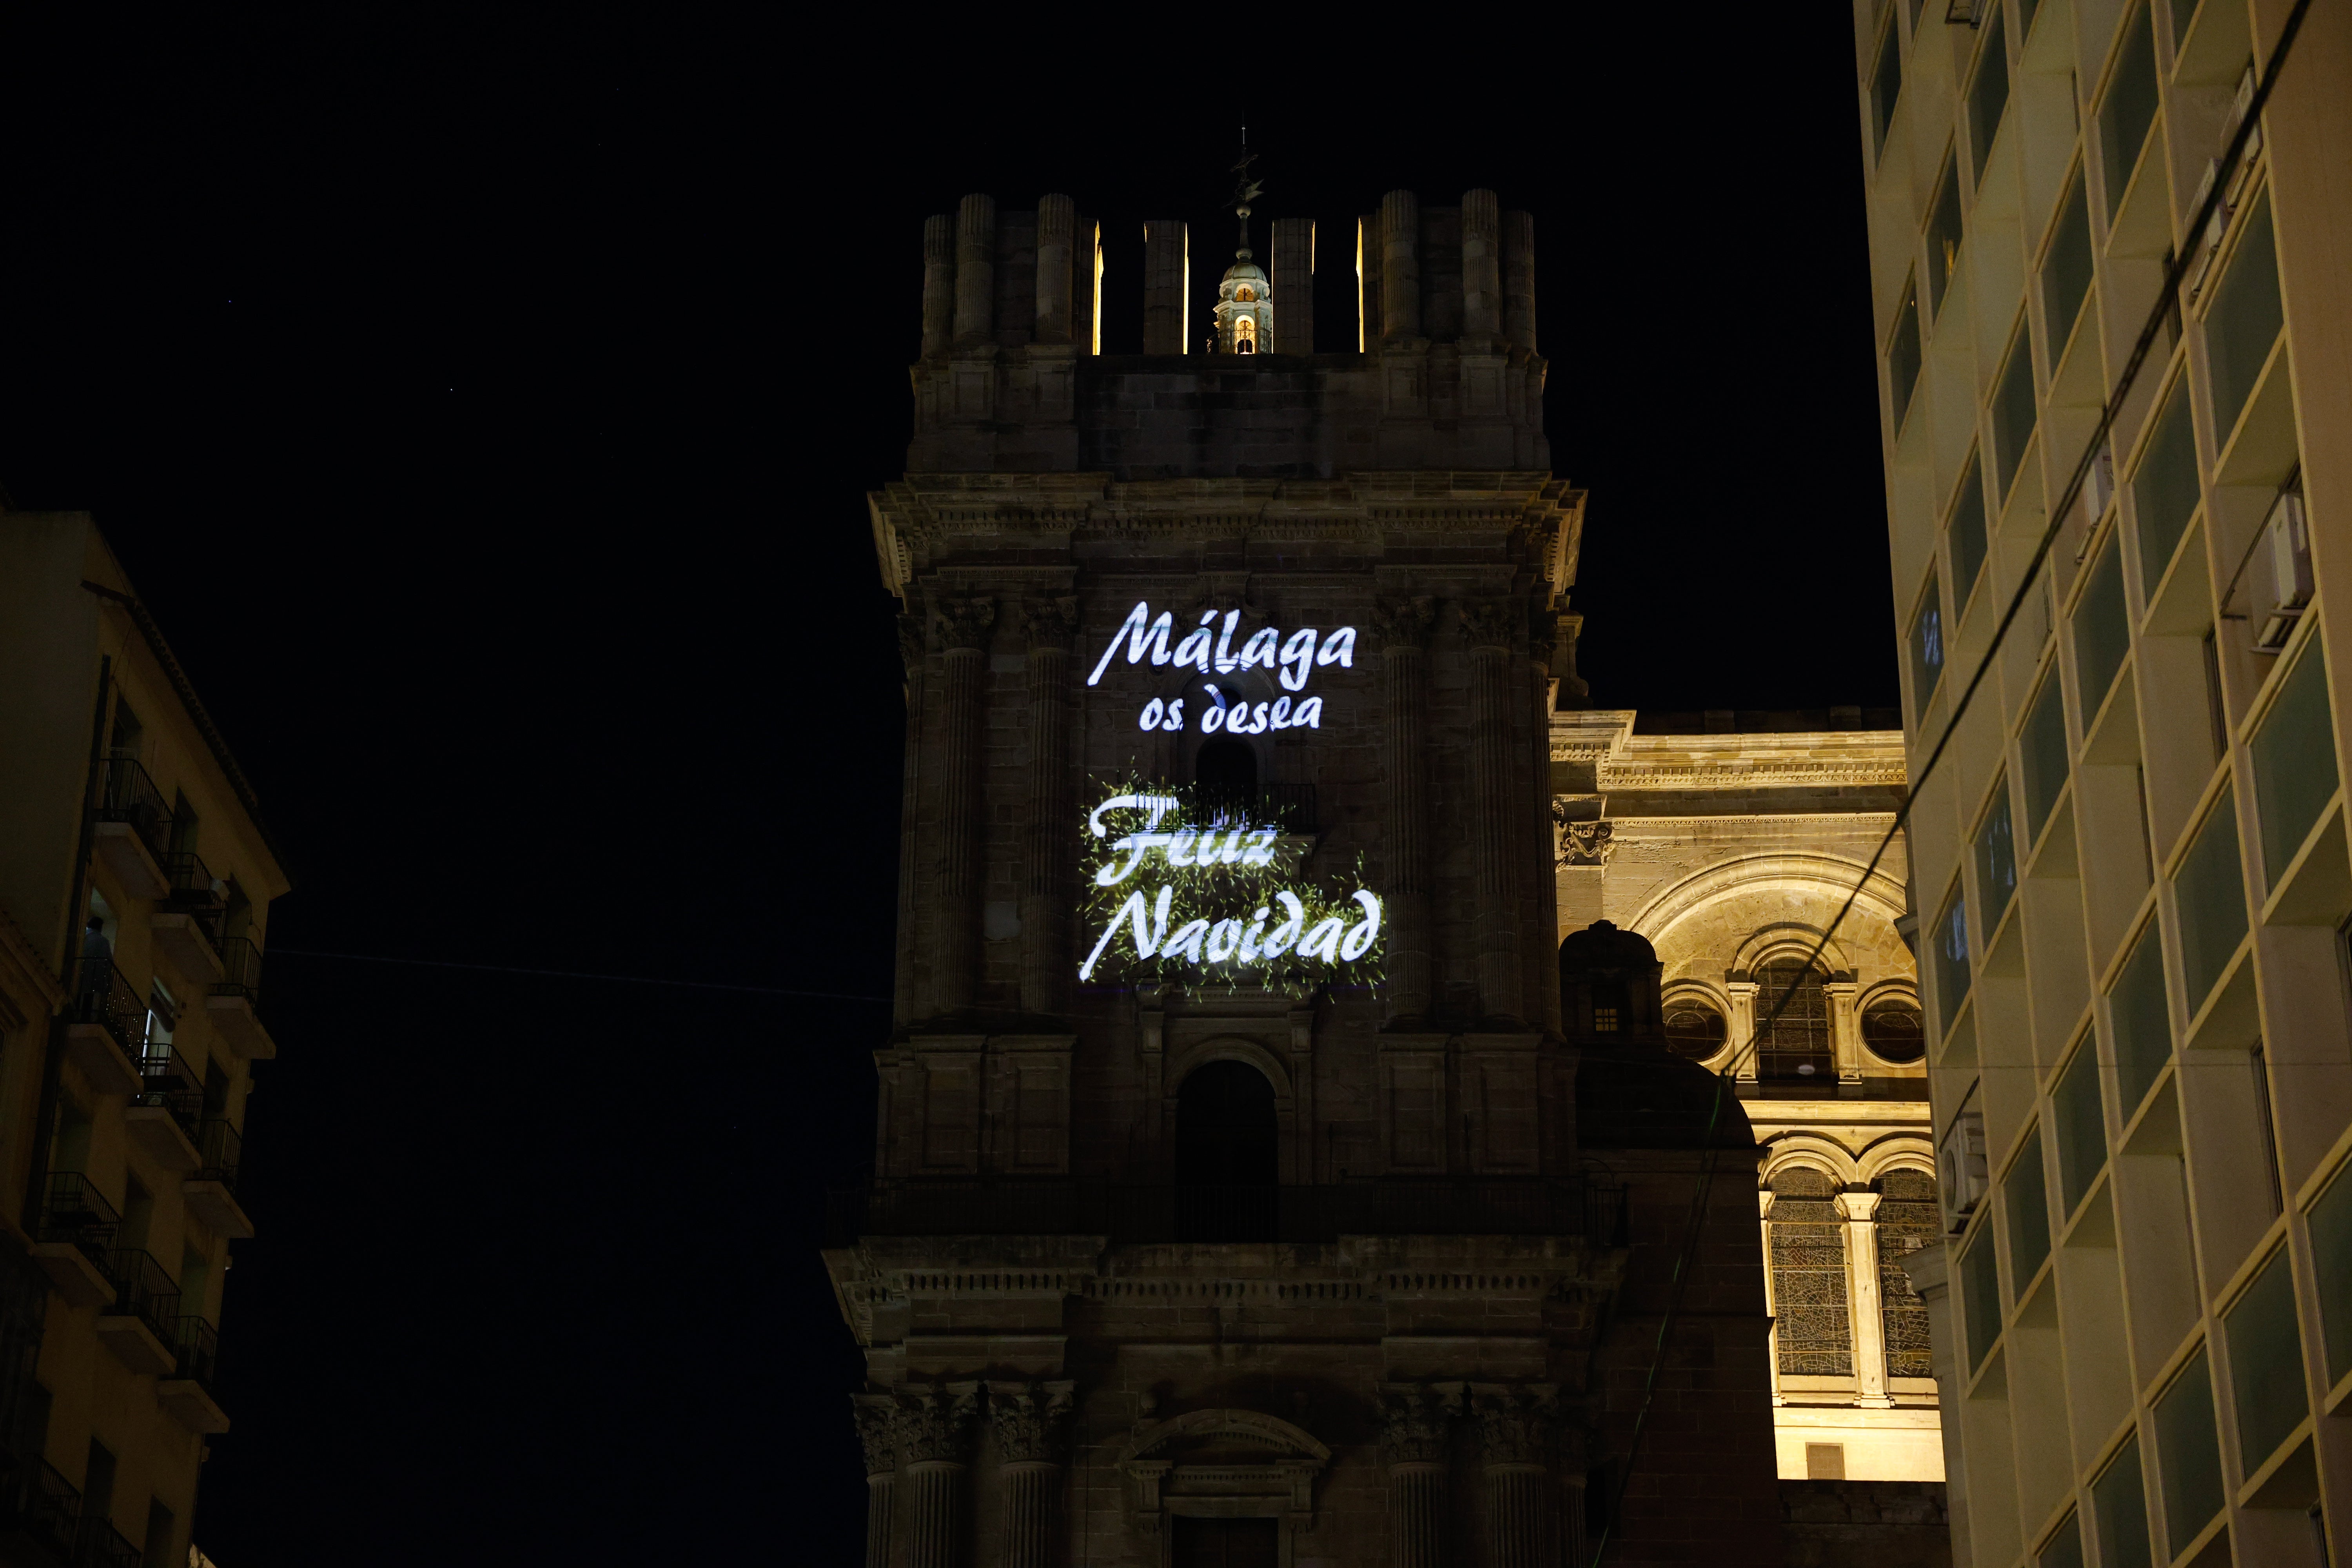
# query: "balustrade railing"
x,y
240,969
142,1290
48,1507
74,1211
103,1546
103,995
220,1149
127,795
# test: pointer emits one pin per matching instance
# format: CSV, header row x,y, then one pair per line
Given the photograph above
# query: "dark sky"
x,y
483,403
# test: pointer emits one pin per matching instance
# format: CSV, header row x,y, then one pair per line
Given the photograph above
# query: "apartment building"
x,y
135,884
2131,860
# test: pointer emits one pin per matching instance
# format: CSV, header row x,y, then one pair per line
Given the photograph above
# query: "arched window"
x,y
1908,1219
1225,772
1810,1313
1891,1028
1227,1154
1795,1047
1694,1029
1244,293
1244,334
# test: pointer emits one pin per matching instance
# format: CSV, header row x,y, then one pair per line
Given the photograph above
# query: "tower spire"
x,y
1245,190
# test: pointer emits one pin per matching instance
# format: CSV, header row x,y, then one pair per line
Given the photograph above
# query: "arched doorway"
x,y
1228,1154
1225,774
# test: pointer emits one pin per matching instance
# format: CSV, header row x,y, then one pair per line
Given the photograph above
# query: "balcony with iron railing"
x,y
230,1005
106,1026
142,1325
166,1116
103,1546
188,924
211,1191
74,1235
191,1393
133,829
42,1512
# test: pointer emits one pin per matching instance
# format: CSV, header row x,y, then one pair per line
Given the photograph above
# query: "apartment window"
x,y
2163,491
1944,236
2081,1132
1885,85
1813,1330
2331,1258
1926,645
1987,95
2129,110
2188,1458
1967,533
2182,10
2066,268
2012,410
2142,1024
1980,1293
2119,1511
2265,1362
2042,755
2101,630
1903,352
2064,1547
2244,320
2025,1197
2209,897
2294,762
1996,861
1948,954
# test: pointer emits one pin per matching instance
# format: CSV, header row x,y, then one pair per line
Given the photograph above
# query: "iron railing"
x,y
74,1211
1135,1213
104,996
240,969
128,794
198,1343
47,1507
142,1290
170,1092
1291,806
103,1546
220,1149
196,894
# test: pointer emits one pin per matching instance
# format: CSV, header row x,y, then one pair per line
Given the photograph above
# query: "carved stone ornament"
x,y
1587,843
875,1415
964,623
1514,1421
1486,623
1403,623
1543,632
1192,1464
1026,1420
1416,1420
910,642
934,1421
1049,622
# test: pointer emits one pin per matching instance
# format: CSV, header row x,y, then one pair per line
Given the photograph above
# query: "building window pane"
x,y
2142,1023
1926,643
1948,952
1810,1322
2331,1256
2119,1511
2129,110
2026,1197
1792,1023
2294,762
1967,532
2066,268
2064,1549
1981,1298
2211,897
2081,1132
2244,320
2012,411
2265,1364
2187,1456
1909,1221
1885,85
1944,236
1996,861
1903,354
2101,631
2042,753
1988,94
2163,491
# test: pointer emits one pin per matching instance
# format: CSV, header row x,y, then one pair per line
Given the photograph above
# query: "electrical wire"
x,y
1712,1157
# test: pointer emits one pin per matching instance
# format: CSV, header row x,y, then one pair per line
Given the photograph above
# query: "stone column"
x,y
1048,624
1026,1421
1514,1449
1416,1420
975,272
1845,1033
1167,273
1861,1213
875,1415
911,653
934,1441
1575,1472
939,284
1495,808
1742,1025
962,626
1771,1295
1402,628
1482,269
1543,945
1399,267
1293,282
1519,280
1057,217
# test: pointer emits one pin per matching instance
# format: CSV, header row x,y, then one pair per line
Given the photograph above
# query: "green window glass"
x,y
1903,354
1927,647
2119,1512
2012,411
1981,1298
1966,530
2066,268
2244,320
2141,1021
1886,84
1948,952
2211,897
1944,236
2331,1256
2025,1196
2064,1548
2041,754
1988,94
2129,110
2163,491
2187,1455
2294,762
1995,853
2101,630
2082,1132
2265,1364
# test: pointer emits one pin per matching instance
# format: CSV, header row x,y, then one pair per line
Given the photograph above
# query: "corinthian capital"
x,y
1026,1420
1403,623
1416,1419
1486,623
876,1418
933,1421
1049,622
963,623
910,642
1515,1421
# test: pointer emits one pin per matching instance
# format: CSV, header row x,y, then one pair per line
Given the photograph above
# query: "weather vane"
x,y
1246,189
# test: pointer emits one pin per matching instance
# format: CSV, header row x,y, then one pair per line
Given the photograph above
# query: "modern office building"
x,y
2130,862
134,882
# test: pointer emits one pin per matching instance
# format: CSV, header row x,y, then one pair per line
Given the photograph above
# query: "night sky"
x,y
484,404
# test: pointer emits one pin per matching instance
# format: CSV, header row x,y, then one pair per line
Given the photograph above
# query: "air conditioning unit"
x,y
1961,1169
2099,484
2281,577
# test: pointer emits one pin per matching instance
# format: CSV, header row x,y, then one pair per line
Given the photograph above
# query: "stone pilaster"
x,y
1496,809
1543,942
932,1428
1403,628
1416,1426
1860,1211
1519,280
962,627
1845,1030
911,652
1482,269
1026,1421
1047,625
875,1415
1514,1430
1741,993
